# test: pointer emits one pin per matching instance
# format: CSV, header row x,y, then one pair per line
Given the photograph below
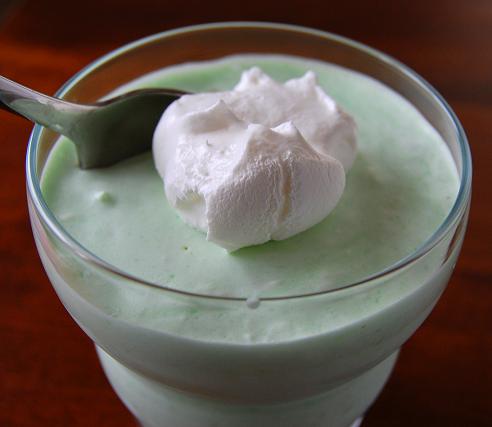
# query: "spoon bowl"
x,y
104,132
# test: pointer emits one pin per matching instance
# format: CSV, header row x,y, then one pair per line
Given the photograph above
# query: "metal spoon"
x,y
104,132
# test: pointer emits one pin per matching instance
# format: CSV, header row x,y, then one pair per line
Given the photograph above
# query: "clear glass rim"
x,y
455,214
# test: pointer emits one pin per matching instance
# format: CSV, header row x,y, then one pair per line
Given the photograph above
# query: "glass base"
x,y
156,405
356,423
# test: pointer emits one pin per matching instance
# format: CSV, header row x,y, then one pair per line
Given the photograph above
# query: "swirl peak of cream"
x,y
261,162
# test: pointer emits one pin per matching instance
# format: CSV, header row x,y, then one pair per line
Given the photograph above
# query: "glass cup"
x,y
169,379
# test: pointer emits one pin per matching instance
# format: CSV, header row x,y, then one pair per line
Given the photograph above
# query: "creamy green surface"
x,y
401,187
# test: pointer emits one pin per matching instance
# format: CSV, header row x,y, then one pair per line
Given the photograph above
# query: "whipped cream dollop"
x,y
263,161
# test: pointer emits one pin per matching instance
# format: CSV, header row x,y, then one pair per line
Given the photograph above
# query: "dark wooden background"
x,y
49,375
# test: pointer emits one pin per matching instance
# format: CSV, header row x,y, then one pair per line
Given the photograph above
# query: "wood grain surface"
x,y
49,375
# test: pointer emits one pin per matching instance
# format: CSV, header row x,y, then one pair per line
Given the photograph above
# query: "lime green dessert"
x,y
319,360
401,187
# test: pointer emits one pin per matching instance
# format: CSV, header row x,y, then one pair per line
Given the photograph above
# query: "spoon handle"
x,y
42,109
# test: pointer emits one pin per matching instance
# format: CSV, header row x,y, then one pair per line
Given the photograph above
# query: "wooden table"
x,y
49,375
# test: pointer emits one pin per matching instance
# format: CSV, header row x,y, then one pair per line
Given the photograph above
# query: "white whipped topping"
x,y
263,161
